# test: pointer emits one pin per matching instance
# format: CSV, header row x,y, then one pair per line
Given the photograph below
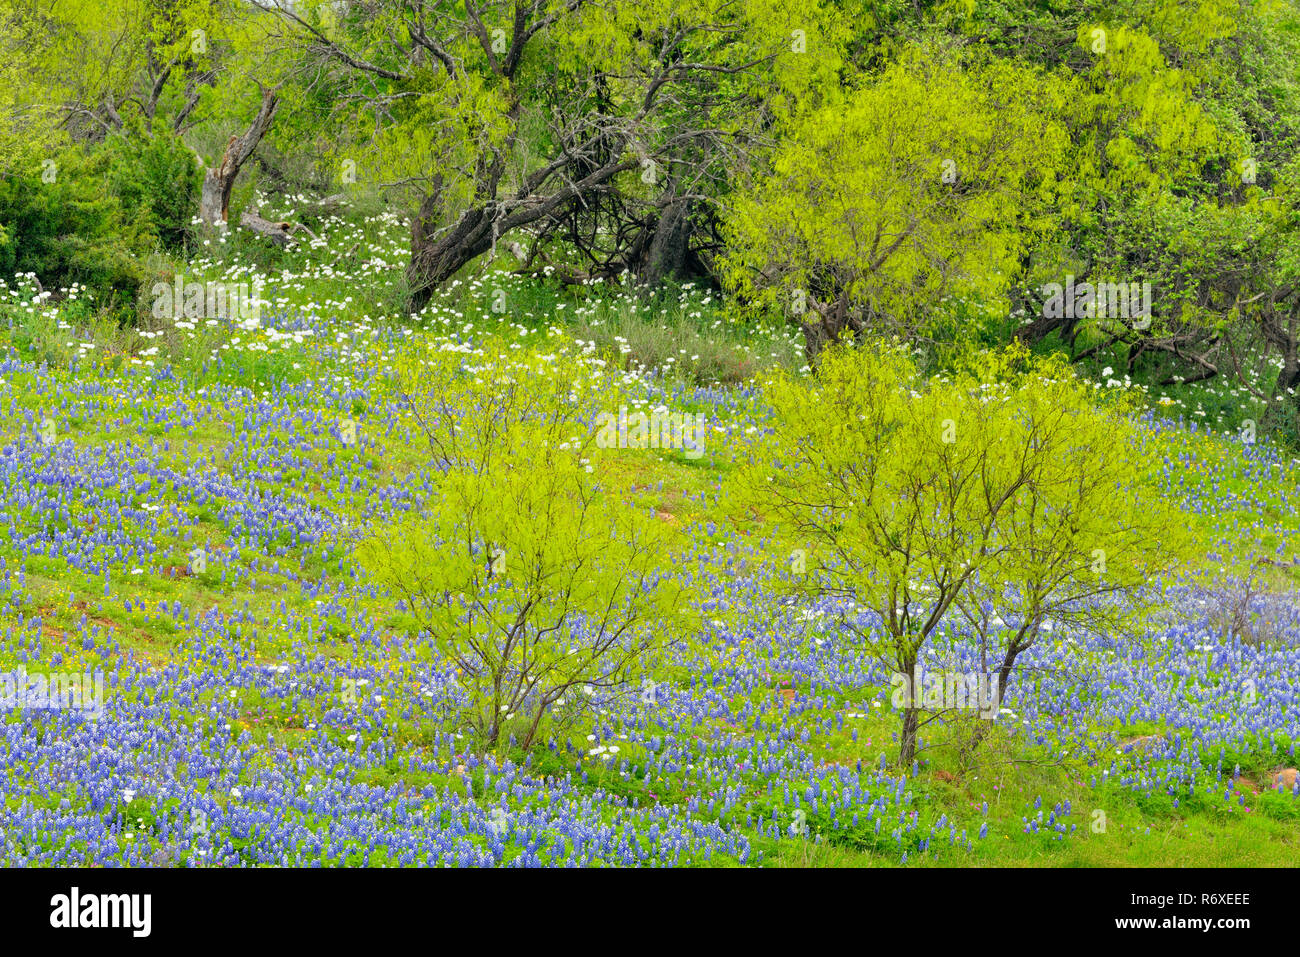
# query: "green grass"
x,y
1007,773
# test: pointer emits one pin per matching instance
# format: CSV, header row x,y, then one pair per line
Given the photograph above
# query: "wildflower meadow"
x,y
650,435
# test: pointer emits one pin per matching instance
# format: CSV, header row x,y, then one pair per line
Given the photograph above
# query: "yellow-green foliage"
x,y
529,577
932,177
1136,121
28,121
453,122
1005,494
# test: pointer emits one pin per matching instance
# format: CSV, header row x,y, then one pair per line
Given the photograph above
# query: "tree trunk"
x,y
828,324
911,725
666,257
278,233
214,200
1288,394
1014,649
911,711
1288,377
434,261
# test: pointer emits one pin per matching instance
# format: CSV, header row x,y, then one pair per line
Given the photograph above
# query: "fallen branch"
x,y
278,233
297,226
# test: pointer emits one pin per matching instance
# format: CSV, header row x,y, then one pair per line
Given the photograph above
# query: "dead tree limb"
x,y
214,201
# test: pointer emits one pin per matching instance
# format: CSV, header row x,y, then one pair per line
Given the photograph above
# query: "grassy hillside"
x,y
181,500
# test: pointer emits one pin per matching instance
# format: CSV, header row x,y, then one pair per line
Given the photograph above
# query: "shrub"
x,y
104,212
69,231
157,181
538,584
1002,498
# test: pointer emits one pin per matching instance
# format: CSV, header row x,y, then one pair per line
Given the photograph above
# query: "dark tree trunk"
x,y
828,323
911,726
1004,674
1288,391
666,257
911,714
434,261
1288,377
214,200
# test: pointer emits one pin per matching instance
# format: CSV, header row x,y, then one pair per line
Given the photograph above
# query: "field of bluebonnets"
x,y
182,505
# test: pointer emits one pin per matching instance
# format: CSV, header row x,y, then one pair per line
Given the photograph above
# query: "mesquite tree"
x,y
510,115
1007,496
538,584
928,182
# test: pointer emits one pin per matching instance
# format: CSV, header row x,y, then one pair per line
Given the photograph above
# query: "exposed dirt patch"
x,y
1141,744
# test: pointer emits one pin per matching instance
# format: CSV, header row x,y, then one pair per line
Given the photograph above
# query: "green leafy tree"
x,y
537,583
67,229
507,116
29,130
932,179
1005,496
1088,534
1150,131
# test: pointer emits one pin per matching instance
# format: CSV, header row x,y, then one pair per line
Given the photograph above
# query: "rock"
x,y
1285,778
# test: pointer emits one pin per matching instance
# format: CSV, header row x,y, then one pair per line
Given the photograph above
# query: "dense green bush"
x,y
68,230
157,182
93,216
